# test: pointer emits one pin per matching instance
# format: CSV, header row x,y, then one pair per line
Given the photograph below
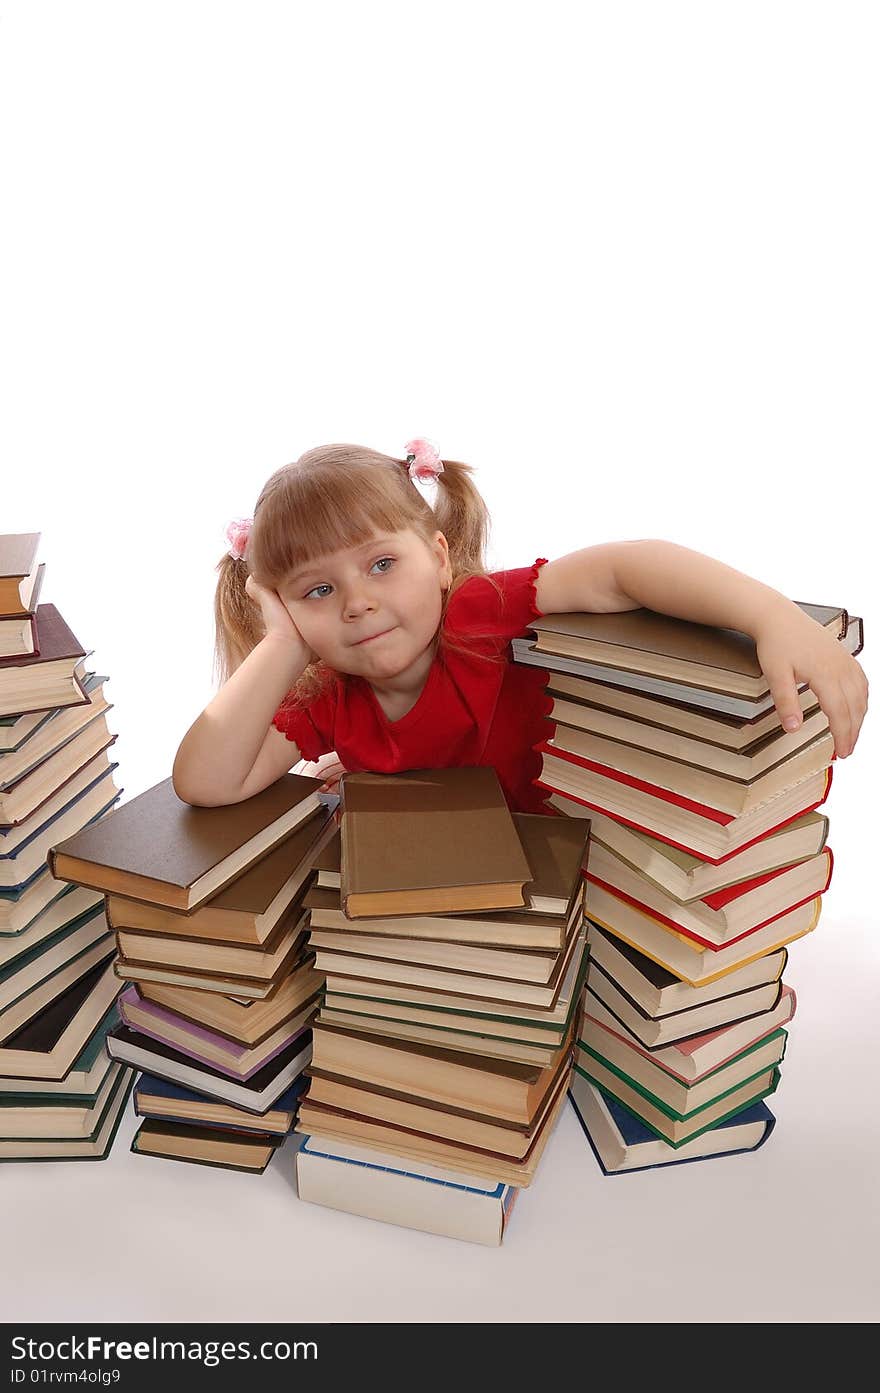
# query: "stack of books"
x,y
452,936
206,904
60,1096
708,859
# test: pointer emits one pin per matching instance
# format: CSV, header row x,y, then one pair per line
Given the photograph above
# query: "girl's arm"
x,y
791,647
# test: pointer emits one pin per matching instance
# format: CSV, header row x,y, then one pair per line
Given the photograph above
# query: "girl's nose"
x,y
357,604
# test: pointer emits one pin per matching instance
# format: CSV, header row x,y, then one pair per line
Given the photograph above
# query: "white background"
x,y
623,259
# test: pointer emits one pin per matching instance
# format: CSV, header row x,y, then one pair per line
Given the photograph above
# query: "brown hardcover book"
x,y
162,850
16,729
41,681
18,633
429,840
643,641
554,848
208,981
247,911
18,572
241,960
209,1146
496,1087
415,1145
47,1047
244,1022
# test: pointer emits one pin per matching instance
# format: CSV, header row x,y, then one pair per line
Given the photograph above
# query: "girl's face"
x,y
372,609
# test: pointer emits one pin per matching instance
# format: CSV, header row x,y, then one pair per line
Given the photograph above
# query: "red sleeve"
x,y
311,727
479,610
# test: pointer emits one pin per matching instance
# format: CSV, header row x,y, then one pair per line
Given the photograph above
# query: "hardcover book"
x,y
429,840
168,1102
622,1142
373,1184
18,573
43,680
48,1047
162,850
205,1145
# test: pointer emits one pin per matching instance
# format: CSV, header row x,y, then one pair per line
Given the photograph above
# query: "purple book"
x,y
232,1057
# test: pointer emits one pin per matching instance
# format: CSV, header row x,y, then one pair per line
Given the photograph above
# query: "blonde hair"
x,y
333,497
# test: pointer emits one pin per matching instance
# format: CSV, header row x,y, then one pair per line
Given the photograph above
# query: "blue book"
x,y
162,1099
622,1142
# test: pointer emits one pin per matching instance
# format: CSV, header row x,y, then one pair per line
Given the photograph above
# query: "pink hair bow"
x,y
423,460
237,533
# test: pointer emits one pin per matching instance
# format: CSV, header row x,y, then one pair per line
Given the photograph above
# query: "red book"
x,y
706,832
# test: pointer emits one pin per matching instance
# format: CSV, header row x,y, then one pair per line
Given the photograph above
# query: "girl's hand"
x,y
277,618
328,768
794,648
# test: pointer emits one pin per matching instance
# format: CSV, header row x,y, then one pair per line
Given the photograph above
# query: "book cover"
x,y
622,1143
158,848
431,839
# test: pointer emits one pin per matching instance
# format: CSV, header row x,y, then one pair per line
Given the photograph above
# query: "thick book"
x,y
17,727
173,1141
247,911
429,840
297,959
32,1119
49,1045
650,644
255,1094
712,699
29,1006
168,1102
622,1142
686,877
18,573
41,681
705,832
256,960
205,1046
681,1098
376,1185
691,1059
579,701
498,1088
73,937
159,849
408,1142
720,791
94,1147
659,993
728,915
38,937
659,1032
556,851
245,1022
684,957
18,633
662,1120
82,1080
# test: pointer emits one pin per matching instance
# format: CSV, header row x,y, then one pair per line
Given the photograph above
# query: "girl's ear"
x,y
445,565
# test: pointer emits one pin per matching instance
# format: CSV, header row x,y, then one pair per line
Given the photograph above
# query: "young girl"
x,y
357,627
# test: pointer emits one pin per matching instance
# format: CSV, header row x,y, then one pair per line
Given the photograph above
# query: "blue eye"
x,y
389,559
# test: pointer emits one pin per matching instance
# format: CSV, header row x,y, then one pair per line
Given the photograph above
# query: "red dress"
x,y
470,711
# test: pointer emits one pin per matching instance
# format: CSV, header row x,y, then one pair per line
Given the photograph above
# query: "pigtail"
x,y
238,622
462,517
